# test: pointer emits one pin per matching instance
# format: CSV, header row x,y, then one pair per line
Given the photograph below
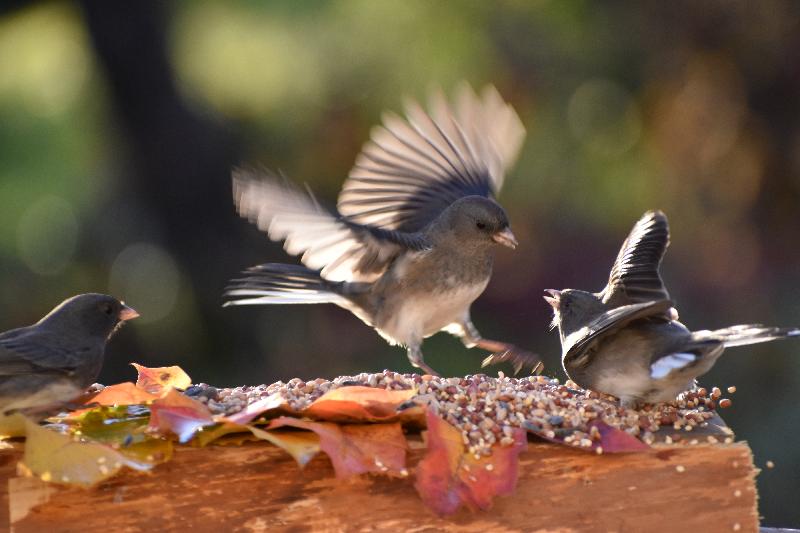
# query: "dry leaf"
x,y
179,414
121,394
159,380
448,476
61,458
356,448
359,404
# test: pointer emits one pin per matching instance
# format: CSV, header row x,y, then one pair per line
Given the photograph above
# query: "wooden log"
x,y
257,487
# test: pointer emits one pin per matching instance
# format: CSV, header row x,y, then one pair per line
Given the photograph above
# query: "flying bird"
x,y
409,247
56,359
626,340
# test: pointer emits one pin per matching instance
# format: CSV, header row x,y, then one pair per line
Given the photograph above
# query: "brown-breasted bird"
x,y
56,359
627,341
410,247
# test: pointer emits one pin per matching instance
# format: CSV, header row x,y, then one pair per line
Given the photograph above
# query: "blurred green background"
x,y
119,123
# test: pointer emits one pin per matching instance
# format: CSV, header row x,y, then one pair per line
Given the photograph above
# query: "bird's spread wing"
x,y
341,249
579,341
634,277
414,168
34,352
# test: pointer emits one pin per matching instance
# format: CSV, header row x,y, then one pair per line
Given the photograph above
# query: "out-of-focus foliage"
x,y
117,129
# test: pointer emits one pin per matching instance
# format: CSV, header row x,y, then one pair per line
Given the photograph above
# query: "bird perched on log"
x,y
627,341
410,247
56,359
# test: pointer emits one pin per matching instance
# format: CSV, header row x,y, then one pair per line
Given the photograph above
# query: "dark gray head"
x,y
92,315
476,221
573,309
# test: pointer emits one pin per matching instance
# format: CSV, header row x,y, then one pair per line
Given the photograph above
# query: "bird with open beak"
x,y
410,248
56,359
627,341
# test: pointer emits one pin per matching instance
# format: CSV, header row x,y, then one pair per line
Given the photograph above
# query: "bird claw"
x,y
518,359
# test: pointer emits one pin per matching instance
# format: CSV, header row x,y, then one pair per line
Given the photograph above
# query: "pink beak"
x,y
506,238
553,298
127,313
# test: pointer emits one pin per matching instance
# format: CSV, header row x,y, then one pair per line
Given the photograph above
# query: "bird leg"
x,y
502,351
415,357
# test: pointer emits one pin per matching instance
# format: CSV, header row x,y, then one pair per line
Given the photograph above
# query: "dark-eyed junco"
x,y
56,359
410,247
626,340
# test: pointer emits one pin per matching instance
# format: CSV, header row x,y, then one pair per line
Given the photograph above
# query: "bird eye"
x,y
480,225
106,308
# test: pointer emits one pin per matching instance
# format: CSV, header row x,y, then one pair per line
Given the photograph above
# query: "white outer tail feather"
x,y
296,296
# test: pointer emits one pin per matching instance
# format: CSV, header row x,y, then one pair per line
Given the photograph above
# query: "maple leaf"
x,y
448,476
159,380
356,448
358,404
301,445
120,394
607,439
179,414
257,408
62,458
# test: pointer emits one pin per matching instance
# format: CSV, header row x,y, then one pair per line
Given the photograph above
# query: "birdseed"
x,y
487,410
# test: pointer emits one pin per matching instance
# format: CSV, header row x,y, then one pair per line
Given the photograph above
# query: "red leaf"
x,y
122,394
609,439
356,403
615,440
448,477
357,448
179,414
159,380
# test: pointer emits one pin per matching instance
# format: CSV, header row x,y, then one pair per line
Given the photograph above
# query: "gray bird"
x,y
409,249
627,341
56,359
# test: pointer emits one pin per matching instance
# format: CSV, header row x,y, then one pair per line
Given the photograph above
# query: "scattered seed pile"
x,y
487,409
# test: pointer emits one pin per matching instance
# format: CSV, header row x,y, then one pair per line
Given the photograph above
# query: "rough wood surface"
x,y
257,487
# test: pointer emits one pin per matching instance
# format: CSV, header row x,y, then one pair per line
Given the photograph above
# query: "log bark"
x,y
257,487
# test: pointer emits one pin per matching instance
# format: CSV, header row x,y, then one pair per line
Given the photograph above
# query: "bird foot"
x,y
518,358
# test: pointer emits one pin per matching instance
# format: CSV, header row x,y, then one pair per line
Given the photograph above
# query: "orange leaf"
x,y
356,448
179,414
122,394
448,477
360,404
159,380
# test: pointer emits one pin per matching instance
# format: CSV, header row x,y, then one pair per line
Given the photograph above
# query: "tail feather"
x,y
274,283
747,334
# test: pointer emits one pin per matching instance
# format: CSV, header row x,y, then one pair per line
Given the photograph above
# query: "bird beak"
x,y
506,238
127,313
553,298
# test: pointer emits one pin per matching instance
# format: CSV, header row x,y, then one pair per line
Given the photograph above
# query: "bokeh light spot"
x,y
47,234
147,277
604,117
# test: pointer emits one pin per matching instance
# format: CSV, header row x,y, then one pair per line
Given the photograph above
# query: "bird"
x,y
54,360
627,340
409,247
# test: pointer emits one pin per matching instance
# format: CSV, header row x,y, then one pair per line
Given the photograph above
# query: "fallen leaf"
x,y
356,448
448,476
159,380
61,458
358,404
615,440
255,409
301,445
177,413
122,394
609,439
